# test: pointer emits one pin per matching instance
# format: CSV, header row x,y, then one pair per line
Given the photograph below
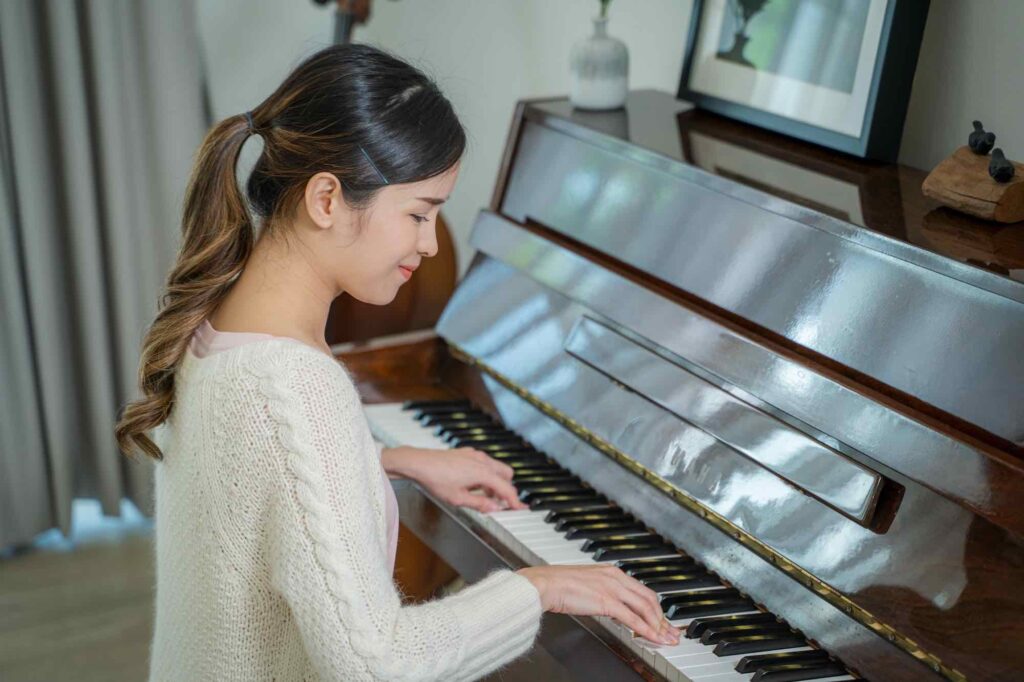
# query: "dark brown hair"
x,y
351,110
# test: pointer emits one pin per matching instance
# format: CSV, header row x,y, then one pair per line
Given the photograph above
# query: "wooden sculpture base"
x,y
962,182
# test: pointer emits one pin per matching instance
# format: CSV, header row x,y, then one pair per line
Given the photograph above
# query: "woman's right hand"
x,y
602,591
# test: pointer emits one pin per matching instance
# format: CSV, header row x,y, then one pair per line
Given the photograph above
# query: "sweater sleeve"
x,y
328,560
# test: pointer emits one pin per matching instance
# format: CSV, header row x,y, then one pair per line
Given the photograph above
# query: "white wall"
x,y
486,54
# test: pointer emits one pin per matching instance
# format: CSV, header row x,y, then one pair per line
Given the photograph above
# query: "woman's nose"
x,y
428,244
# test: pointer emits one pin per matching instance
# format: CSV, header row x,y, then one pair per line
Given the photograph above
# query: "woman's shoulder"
x,y
277,358
275,369
299,374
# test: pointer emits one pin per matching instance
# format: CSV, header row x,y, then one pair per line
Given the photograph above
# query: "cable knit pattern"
x,y
272,559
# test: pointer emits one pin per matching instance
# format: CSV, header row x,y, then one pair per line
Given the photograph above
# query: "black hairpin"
x,y
370,161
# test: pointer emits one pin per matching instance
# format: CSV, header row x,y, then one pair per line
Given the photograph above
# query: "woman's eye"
x,y
420,218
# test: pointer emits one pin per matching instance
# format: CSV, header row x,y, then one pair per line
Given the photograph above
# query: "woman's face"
x,y
372,259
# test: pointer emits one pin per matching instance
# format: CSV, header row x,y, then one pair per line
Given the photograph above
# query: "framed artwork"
x,y
834,72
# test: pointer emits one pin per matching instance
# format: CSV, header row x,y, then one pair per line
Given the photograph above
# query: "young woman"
x,y
275,524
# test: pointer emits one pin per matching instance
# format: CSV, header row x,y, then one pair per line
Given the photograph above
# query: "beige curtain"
x,y
101,107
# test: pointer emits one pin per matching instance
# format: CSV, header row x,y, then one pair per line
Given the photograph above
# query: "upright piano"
x,y
773,382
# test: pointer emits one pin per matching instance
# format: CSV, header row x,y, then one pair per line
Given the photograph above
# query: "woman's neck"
x,y
280,293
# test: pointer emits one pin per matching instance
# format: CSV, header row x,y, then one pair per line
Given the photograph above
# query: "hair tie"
x,y
383,179
248,118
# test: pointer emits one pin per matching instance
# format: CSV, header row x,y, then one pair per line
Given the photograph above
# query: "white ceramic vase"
x,y
599,70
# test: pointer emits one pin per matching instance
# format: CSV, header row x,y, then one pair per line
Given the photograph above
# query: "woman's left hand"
x,y
463,476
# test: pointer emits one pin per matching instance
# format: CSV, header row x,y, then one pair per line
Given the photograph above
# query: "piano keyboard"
x,y
727,637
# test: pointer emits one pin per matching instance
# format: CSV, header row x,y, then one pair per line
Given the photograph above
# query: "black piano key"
x,y
750,664
556,487
478,433
647,566
491,427
705,603
522,459
727,593
489,444
697,627
582,519
540,479
708,607
679,574
445,409
562,501
443,428
456,420
463,439
682,565
449,417
533,460
678,581
593,530
563,519
632,552
750,644
595,544
538,468
558,515
499,450
716,635
504,454
796,672
528,495
426,404
473,431
624,535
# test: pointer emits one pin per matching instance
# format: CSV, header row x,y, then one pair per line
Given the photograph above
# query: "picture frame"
x,y
837,73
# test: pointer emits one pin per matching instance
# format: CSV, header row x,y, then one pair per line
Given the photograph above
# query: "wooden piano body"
x,y
827,414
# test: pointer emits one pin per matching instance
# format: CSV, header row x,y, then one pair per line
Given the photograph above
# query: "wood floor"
x,y
82,615
83,612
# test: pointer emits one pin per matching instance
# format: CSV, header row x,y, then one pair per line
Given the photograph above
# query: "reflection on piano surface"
x,y
806,435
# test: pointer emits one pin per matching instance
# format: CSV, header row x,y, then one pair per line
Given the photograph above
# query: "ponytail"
x,y
217,238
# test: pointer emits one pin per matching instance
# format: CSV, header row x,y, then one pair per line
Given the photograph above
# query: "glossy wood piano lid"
x,y
879,199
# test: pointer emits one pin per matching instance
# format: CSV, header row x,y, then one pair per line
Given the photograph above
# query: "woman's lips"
x,y
406,272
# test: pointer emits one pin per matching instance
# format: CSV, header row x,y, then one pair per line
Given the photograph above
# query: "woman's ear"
x,y
323,199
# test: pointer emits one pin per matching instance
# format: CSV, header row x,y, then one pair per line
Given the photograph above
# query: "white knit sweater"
x,y
270,539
